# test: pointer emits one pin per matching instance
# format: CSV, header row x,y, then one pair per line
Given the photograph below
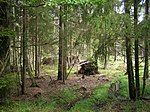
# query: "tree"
x,y
136,43
129,58
60,63
24,52
36,49
62,73
146,42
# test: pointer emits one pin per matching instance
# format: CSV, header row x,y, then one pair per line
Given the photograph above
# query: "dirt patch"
x,y
49,85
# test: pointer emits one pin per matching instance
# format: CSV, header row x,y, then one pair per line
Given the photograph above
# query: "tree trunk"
x,y
65,44
36,50
39,56
17,30
129,60
146,42
136,43
24,45
115,52
33,54
60,63
105,57
105,48
62,73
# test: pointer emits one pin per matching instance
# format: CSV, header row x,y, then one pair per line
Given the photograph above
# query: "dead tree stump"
x,y
88,68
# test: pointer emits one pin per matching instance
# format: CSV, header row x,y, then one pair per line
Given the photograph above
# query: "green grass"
x,y
28,106
101,100
85,105
49,70
53,70
63,97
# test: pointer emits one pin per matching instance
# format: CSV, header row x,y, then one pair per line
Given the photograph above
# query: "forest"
x,y
74,56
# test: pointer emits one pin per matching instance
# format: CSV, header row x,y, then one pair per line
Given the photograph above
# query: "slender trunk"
x,y
60,64
33,55
115,54
146,42
14,52
20,55
64,44
136,43
105,49
129,60
62,73
17,14
13,26
105,57
36,48
24,45
39,56
124,56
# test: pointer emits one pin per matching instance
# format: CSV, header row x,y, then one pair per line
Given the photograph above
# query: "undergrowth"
x,y
100,101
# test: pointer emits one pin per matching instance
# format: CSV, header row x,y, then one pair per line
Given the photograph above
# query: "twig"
x,y
70,71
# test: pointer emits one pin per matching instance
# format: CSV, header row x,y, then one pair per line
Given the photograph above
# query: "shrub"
x,y
7,82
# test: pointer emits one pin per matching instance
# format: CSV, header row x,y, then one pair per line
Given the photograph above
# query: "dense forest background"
x,y
78,55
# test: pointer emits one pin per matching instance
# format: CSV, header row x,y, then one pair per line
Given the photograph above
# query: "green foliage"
x,y
76,2
49,69
38,105
83,106
147,89
143,28
101,92
7,33
123,92
98,101
7,83
65,96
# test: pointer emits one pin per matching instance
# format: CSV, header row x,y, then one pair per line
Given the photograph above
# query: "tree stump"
x,y
88,68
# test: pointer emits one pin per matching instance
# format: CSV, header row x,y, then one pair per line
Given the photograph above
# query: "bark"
x,y
39,57
16,51
62,73
136,44
60,63
24,48
105,49
36,50
115,52
129,60
146,42
65,45
17,14
105,58
33,54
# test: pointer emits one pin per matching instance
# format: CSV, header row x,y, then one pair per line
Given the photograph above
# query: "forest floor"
x,y
95,93
50,85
